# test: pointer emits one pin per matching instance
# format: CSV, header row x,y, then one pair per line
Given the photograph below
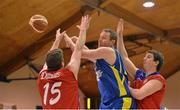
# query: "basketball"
x,y
39,23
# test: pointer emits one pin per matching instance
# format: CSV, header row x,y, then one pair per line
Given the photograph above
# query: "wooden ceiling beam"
x,y
172,72
173,35
21,59
172,32
119,12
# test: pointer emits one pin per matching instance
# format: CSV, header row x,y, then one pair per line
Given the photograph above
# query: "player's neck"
x,y
150,71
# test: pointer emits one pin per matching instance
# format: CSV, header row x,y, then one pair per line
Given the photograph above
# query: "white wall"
x,y
23,94
172,96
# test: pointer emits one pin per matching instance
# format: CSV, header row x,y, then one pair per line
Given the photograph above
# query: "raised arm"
x,y
70,42
74,63
92,54
56,43
130,67
58,39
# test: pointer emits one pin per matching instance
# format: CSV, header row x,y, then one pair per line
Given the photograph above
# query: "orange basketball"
x,y
39,23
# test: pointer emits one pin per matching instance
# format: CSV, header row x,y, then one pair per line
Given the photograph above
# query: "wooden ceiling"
x,y
156,28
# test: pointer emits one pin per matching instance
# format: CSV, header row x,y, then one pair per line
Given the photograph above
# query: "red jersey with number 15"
x,y
58,89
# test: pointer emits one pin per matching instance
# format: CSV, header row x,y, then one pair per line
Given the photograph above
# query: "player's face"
x,y
104,39
149,61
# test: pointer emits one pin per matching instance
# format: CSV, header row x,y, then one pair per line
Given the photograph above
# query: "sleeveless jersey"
x,y
58,89
152,101
113,84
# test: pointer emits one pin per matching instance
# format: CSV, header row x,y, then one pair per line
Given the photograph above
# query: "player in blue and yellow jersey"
x,y
110,72
113,84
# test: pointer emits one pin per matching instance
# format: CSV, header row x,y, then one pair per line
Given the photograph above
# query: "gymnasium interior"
x,y
23,51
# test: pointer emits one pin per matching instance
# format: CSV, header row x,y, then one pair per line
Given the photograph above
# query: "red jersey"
x,y
154,100
58,89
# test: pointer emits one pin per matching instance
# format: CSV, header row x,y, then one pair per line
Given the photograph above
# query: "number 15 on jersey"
x,y
52,90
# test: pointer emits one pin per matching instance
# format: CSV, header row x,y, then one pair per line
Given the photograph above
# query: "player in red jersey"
x,y
148,86
57,84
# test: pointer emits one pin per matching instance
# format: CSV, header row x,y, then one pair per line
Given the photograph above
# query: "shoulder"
x,y
105,49
42,71
157,77
140,75
66,69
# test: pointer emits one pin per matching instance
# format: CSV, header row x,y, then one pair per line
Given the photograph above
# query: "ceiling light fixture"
x,y
148,3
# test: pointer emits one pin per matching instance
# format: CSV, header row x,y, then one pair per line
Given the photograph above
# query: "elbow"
x,y
138,95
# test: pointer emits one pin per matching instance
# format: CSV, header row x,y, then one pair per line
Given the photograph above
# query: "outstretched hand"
x,y
59,35
84,23
120,27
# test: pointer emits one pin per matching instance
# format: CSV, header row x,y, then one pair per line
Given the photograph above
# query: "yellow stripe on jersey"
x,y
123,80
125,73
120,67
127,103
122,89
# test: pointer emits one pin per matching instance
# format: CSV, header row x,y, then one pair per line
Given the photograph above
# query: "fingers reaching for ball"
x,y
60,35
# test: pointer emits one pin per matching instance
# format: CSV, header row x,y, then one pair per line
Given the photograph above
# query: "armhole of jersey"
x,y
67,69
115,58
41,71
159,78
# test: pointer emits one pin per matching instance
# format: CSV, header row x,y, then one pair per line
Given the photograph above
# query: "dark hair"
x,y
113,35
54,59
157,57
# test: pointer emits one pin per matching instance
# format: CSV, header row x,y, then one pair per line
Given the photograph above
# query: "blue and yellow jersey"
x,y
113,84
